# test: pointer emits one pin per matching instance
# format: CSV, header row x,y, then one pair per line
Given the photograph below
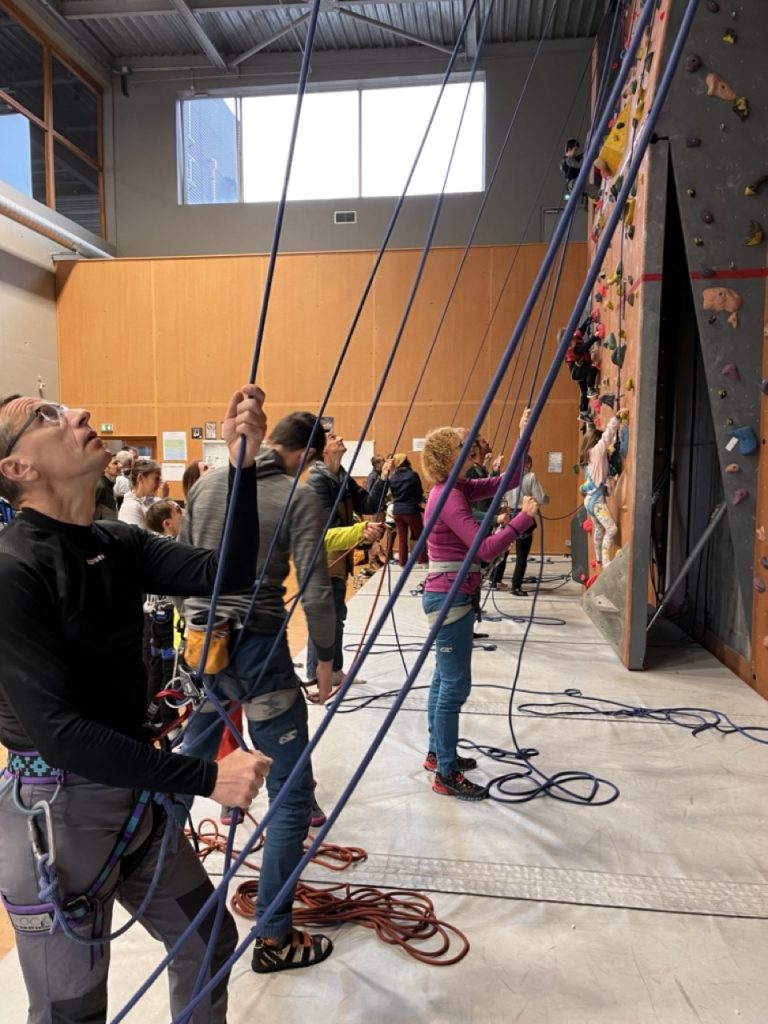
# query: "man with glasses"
x,y
73,835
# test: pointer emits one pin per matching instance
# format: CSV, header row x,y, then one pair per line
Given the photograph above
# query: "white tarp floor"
x,y
653,908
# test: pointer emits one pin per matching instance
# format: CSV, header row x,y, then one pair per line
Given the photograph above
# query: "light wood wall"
x,y
156,345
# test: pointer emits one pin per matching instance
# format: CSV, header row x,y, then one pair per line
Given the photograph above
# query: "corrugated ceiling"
x,y
164,29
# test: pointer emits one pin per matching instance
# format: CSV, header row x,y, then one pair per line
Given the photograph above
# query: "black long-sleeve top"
x,y
72,678
407,492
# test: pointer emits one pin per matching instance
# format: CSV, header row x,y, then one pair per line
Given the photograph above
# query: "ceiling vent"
x,y
345,217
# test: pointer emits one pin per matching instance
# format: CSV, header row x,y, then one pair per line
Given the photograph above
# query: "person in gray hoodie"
x,y
261,675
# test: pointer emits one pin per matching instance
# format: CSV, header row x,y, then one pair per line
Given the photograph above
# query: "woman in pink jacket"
x,y
447,545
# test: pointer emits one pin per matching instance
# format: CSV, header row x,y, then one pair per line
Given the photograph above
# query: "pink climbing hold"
x,y
764,561
759,584
732,467
587,526
739,495
731,371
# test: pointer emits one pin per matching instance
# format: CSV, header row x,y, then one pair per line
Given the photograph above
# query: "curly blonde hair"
x,y
439,453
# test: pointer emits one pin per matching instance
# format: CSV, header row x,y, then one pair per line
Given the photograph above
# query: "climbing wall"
x,y
626,310
718,128
714,130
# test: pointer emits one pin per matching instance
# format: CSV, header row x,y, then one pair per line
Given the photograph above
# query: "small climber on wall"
x,y
578,359
594,454
570,166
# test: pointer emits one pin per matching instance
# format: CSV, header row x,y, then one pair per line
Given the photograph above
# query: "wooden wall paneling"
x,y
104,317
183,330
314,299
454,346
206,312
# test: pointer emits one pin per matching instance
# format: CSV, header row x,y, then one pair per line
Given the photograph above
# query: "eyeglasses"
x,y
51,412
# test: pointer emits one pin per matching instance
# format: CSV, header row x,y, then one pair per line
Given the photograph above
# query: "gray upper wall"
x,y
145,218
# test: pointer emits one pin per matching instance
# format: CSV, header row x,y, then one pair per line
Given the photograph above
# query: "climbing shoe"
x,y
299,949
458,786
318,814
466,764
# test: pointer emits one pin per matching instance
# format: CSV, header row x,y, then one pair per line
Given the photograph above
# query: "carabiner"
x,y
42,806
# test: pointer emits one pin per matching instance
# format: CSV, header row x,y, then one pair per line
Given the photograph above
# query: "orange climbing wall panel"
x,y
628,289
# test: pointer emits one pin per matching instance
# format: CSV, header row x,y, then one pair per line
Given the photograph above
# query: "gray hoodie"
x,y
300,533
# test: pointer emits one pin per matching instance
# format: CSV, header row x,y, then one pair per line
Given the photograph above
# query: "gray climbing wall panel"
x,y
717,123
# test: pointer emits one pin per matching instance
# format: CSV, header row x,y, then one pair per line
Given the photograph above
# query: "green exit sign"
x,y
106,428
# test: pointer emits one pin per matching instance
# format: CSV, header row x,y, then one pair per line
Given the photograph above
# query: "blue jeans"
x,y
339,591
451,680
283,739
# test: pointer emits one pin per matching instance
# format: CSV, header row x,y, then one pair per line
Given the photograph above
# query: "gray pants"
x,y
62,984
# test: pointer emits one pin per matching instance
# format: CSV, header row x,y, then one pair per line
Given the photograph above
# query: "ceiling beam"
x,y
393,31
236,61
197,30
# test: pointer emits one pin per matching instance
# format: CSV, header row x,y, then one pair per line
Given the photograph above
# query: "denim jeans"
x,y
451,680
283,739
339,590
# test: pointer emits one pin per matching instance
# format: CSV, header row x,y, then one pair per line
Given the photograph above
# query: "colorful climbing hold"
x,y
698,240
754,188
748,443
759,584
729,36
760,534
731,371
741,108
739,495
691,192
707,217
721,300
707,272
617,356
764,561
733,320
692,62
755,235
717,86
722,393
732,467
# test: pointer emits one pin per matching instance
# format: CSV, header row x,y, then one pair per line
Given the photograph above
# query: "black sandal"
x,y
300,949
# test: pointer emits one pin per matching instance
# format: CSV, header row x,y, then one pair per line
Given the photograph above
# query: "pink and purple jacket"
x,y
455,529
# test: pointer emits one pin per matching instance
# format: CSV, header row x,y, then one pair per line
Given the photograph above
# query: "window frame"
x,y
46,124
360,85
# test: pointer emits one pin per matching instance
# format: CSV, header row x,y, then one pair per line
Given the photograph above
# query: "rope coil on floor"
x,y
400,918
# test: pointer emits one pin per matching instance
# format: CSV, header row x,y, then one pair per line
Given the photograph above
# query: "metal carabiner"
x,y
43,807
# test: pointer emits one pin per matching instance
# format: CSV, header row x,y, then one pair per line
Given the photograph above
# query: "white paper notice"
x,y
174,446
173,471
554,462
418,444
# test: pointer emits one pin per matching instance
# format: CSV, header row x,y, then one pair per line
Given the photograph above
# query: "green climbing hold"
x,y
617,356
610,342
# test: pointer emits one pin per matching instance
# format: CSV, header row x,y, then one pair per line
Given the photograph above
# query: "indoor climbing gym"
x,y
383,511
